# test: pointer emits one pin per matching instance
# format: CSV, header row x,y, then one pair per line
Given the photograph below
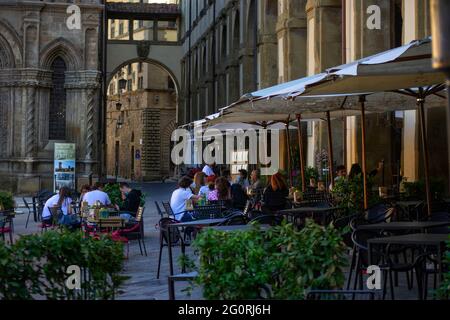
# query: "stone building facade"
x,y
140,120
49,90
232,47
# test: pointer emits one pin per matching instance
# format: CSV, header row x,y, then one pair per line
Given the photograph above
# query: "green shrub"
x,y
443,291
285,261
349,194
6,200
417,189
35,266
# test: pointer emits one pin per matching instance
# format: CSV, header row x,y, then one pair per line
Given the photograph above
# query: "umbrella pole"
x,y
420,104
300,151
362,100
330,150
288,141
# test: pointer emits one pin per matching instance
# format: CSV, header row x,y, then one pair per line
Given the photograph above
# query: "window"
x,y
129,68
57,108
129,85
140,83
121,28
140,67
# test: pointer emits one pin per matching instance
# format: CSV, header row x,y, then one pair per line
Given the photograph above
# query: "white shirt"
x,y
52,202
208,171
93,196
204,190
178,201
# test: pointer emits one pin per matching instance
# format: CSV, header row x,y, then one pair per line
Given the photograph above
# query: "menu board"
x,y
64,166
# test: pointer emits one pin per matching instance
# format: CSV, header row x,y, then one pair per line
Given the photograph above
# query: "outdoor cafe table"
x,y
417,239
408,206
194,223
314,211
241,227
421,226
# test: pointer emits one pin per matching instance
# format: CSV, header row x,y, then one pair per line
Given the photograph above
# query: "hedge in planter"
x,y
443,291
6,200
284,261
35,266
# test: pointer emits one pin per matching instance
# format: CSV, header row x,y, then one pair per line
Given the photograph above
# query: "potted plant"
x,y
6,201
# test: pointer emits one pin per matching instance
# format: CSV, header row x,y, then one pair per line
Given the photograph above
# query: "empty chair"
x,y
235,219
135,232
27,205
158,209
6,228
343,295
176,239
269,219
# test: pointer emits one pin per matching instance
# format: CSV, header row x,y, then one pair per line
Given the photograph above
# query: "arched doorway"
x,y
142,98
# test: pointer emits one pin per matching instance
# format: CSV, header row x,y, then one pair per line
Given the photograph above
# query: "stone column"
x,y
324,51
363,41
292,36
30,146
267,43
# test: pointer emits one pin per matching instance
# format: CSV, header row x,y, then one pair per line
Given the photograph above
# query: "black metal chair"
x,y
388,261
235,219
176,238
6,228
270,219
159,209
213,211
27,205
136,232
343,295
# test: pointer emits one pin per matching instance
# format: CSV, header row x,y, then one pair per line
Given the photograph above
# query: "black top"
x,y
238,196
132,202
275,200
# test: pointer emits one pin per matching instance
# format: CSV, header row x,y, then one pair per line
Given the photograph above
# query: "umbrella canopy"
x,y
377,76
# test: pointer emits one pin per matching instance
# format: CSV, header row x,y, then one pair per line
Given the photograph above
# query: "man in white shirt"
x,y
208,170
97,195
179,197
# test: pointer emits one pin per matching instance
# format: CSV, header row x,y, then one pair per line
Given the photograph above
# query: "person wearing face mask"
x,y
132,200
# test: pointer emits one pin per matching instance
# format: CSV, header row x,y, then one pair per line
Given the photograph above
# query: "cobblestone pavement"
x,y
142,270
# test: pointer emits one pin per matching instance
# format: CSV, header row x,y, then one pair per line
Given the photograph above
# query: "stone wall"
x,y
32,36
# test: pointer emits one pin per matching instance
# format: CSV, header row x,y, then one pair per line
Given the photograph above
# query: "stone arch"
x,y
166,144
61,48
10,46
145,60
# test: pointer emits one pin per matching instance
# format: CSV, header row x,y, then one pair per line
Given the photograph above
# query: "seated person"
x,y
179,197
131,203
227,175
255,179
199,186
221,190
242,179
238,197
63,201
275,194
84,189
97,194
